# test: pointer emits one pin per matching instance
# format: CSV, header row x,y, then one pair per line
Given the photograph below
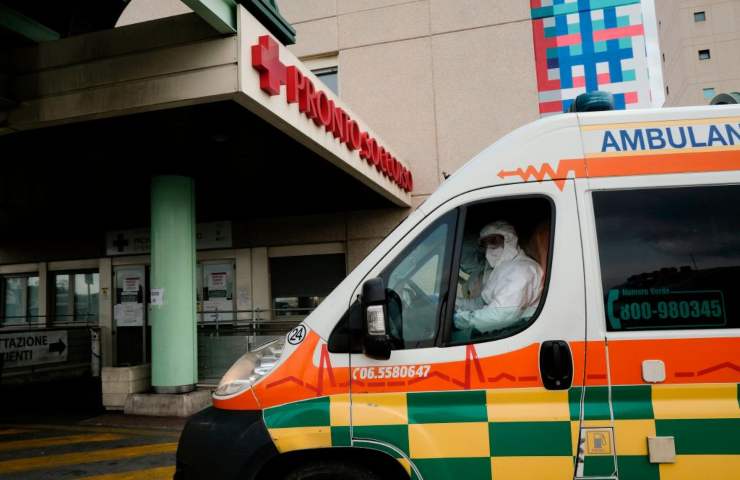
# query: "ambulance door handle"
x,y
556,365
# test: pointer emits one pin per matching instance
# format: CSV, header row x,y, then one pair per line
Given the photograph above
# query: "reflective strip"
x,y
448,440
339,407
541,468
379,409
693,467
696,401
534,404
301,438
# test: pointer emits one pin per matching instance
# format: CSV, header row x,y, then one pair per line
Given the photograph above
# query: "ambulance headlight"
x,y
249,369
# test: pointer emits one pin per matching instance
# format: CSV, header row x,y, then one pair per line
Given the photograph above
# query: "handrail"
x,y
257,317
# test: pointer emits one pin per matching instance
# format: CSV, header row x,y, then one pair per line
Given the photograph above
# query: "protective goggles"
x,y
494,241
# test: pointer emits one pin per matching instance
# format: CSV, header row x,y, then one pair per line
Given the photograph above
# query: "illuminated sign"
x,y
317,106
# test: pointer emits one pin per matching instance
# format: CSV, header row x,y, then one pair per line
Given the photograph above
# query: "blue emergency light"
x,y
597,101
726,99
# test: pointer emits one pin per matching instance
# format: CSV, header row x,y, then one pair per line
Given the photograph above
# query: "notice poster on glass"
x,y
129,308
129,314
217,284
218,304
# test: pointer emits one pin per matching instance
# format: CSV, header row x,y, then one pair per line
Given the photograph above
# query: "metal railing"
x,y
10,322
251,322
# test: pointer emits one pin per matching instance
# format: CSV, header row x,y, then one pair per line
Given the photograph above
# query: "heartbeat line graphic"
x,y
545,172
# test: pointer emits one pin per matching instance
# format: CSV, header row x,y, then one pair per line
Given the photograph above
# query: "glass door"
x,y
129,314
216,291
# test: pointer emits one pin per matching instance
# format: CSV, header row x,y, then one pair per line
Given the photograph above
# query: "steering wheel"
x,y
409,295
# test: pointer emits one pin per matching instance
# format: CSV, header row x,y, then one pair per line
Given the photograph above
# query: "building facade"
x,y
442,80
284,206
700,49
166,120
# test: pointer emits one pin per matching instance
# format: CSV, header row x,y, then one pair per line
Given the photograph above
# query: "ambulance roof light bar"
x,y
597,101
726,99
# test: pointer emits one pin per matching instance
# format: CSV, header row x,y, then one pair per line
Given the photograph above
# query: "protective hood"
x,y
511,242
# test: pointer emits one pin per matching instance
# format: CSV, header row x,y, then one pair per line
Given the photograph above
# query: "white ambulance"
x,y
566,305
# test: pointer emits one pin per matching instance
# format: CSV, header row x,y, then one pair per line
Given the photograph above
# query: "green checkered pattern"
x,y
531,433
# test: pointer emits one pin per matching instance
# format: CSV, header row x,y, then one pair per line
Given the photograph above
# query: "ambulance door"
x,y
665,300
471,401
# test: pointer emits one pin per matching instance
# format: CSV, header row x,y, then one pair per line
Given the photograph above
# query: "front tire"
x,y
331,470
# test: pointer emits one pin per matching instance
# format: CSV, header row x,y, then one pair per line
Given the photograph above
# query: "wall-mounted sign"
x,y
315,104
33,348
208,236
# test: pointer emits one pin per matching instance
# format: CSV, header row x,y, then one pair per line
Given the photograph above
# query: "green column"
x,y
174,360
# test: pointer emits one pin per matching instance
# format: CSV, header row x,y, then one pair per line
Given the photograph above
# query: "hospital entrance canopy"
x,y
212,94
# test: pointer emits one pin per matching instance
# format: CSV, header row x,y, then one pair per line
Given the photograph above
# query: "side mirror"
x,y
375,340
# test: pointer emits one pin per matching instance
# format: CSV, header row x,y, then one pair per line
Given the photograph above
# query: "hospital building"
x,y
184,181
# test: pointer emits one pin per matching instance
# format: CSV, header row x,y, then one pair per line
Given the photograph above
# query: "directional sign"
x,y
33,348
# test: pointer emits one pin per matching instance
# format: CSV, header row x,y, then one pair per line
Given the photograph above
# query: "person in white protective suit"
x,y
511,287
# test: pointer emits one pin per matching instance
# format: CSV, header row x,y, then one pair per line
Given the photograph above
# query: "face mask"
x,y
493,255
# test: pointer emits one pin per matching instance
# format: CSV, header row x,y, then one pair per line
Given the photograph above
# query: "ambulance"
x,y
626,367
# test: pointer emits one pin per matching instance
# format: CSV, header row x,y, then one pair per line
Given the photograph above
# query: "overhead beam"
x,y
220,14
24,26
267,12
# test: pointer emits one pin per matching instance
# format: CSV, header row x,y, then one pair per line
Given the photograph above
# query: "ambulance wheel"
x,y
331,470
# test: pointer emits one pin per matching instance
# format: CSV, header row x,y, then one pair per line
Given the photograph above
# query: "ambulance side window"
x,y
417,281
670,257
503,257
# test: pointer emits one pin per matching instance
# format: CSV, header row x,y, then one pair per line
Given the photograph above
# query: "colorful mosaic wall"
x,y
586,45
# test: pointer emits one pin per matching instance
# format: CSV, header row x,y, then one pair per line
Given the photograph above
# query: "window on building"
x,y
667,90
330,77
670,258
704,54
663,55
700,16
20,294
76,297
497,300
298,284
709,93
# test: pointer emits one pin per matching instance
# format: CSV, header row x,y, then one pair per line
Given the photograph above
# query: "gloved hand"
x,y
462,320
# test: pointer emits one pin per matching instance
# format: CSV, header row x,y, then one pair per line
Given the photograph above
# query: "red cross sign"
x,y
266,60
318,106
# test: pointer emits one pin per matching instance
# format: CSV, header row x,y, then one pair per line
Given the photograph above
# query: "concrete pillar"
x,y
173,262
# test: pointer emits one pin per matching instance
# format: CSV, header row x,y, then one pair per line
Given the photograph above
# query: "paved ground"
x,y
104,447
